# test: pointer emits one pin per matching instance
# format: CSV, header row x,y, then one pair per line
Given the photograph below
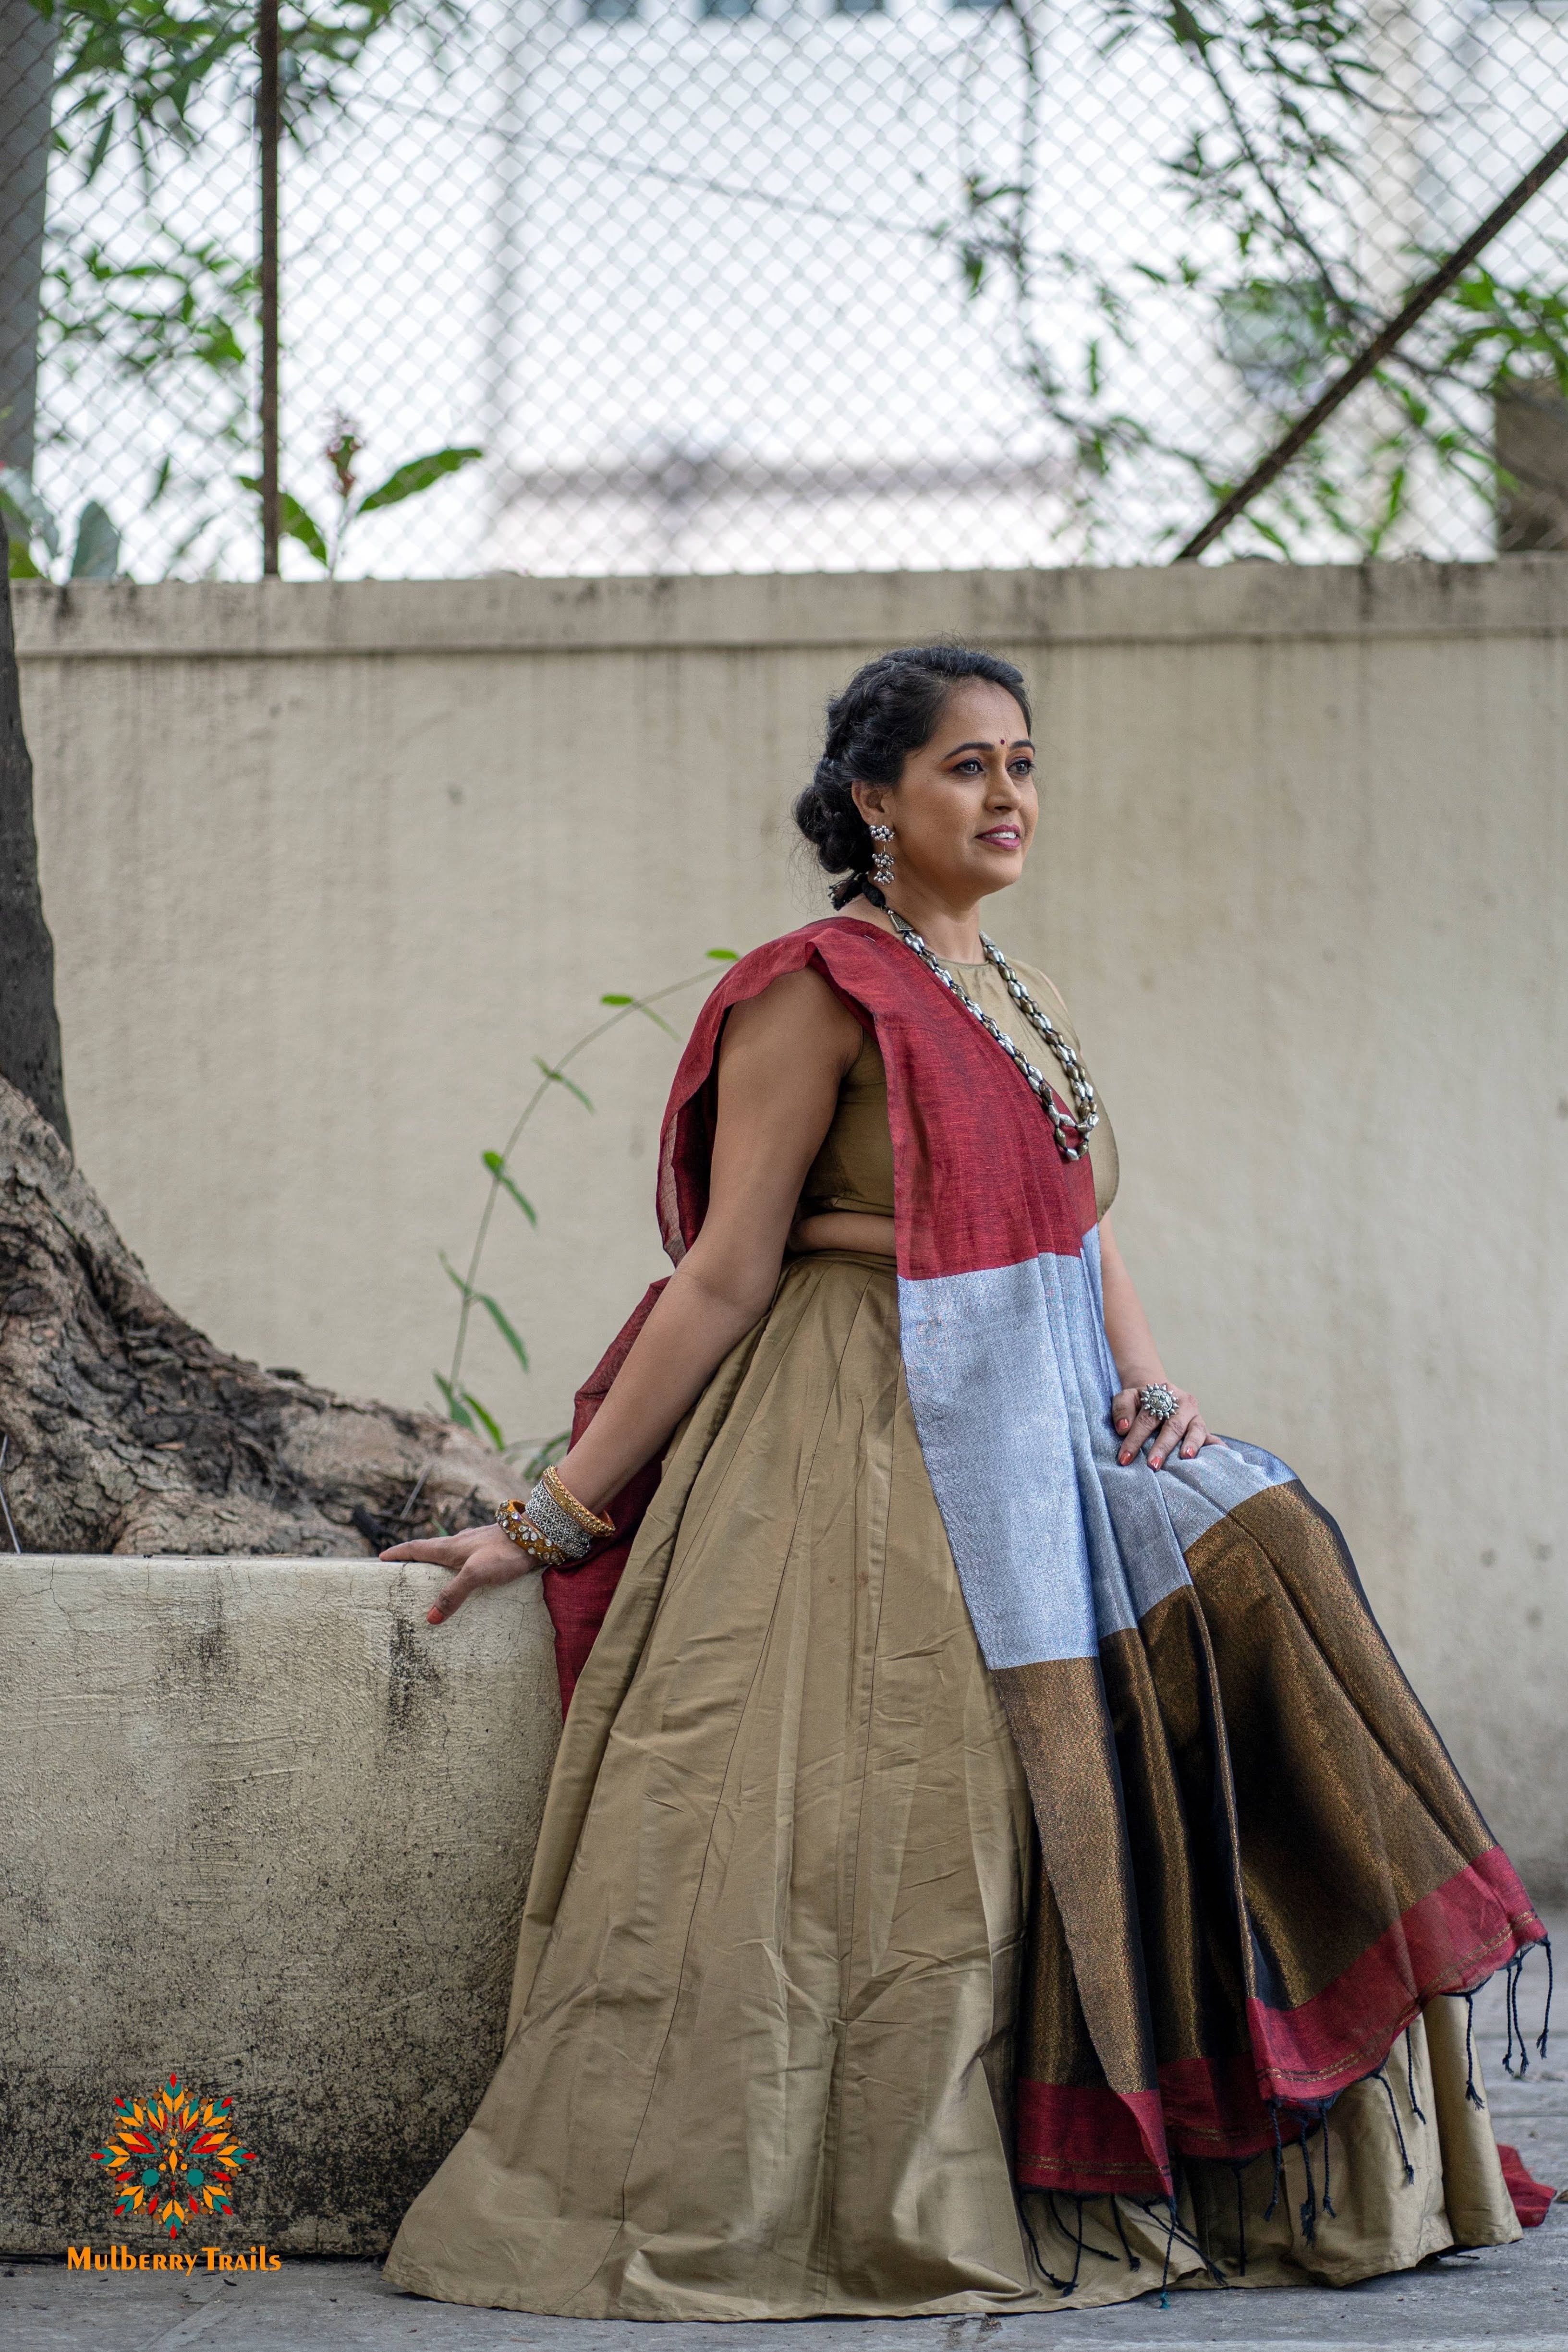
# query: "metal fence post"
x,y
27,78
267,127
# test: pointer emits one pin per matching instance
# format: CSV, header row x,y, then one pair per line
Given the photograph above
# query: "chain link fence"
x,y
655,286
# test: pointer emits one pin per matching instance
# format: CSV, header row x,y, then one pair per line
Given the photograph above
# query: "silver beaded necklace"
x,y
1086,1109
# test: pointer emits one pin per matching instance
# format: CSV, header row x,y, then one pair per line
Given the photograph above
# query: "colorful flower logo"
x,y
173,2156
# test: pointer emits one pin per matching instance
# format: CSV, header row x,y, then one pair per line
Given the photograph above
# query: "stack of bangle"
x,y
552,1527
512,1519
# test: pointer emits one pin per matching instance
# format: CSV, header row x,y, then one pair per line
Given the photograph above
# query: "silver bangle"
x,y
556,1525
1155,1399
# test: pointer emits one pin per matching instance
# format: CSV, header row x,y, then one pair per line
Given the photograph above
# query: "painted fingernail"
x,y
434,1617
1124,1426
1124,1457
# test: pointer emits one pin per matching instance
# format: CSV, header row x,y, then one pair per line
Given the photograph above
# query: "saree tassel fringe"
x,y
1409,2080
1040,2263
1515,2028
1382,2077
1544,2036
1471,2093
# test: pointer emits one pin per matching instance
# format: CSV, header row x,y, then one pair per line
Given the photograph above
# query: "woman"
x,y
992,1856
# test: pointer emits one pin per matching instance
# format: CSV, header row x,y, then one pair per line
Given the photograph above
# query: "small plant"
x,y
406,481
462,1405
30,524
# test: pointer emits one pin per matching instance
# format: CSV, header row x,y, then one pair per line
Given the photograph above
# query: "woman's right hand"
x,y
479,1556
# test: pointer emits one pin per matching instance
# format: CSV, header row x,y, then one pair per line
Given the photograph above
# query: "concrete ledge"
x,y
1186,605
265,1827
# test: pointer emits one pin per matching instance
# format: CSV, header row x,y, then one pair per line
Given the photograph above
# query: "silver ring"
x,y
1158,1400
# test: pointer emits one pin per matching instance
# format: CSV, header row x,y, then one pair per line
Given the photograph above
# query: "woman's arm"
x,y
783,1057
780,1064
1137,1364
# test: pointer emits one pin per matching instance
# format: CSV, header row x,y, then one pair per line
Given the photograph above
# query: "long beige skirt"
x,y
758,2058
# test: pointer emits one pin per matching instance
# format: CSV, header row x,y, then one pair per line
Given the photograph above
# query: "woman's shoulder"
x,y
781,1003
792,951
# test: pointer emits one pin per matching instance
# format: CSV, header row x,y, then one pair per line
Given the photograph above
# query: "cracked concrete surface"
x,y
1506,2294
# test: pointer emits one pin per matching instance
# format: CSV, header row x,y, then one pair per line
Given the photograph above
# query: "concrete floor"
x,y
1515,2294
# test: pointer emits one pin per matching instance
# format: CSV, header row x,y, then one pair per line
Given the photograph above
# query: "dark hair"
x,y
888,709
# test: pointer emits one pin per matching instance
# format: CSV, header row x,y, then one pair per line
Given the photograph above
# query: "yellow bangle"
x,y
589,1521
514,1521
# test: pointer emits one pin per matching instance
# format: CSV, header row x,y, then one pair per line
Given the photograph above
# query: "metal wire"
x,y
631,285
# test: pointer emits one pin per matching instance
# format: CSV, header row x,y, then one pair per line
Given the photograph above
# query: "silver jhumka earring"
x,y
882,867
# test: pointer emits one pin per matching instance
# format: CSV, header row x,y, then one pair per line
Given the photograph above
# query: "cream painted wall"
x,y
327,866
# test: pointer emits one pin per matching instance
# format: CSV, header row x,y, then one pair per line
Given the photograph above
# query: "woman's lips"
x,y
1005,837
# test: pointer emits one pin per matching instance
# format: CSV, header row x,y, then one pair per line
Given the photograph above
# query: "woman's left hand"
x,y
1135,1427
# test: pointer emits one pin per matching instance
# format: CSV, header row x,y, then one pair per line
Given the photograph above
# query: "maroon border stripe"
x,y
1089,2140
1214,2107
1450,1941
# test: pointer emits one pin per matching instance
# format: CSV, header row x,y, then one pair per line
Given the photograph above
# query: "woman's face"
x,y
964,811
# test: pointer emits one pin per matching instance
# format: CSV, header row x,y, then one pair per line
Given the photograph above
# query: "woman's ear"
x,y
871,800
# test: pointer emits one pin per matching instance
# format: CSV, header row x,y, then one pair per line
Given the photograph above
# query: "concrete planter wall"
x,y
265,1827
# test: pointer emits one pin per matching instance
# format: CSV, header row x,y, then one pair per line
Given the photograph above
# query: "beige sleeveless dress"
x,y
758,2058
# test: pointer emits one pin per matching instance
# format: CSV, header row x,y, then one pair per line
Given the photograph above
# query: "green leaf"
x,y
99,148
417,474
1188,29
456,1409
497,1167
492,1426
723,955
618,997
466,1289
561,1079
293,522
97,555
552,1450
493,1311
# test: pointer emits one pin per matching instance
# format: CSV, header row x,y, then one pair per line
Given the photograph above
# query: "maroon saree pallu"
x,y
1258,1862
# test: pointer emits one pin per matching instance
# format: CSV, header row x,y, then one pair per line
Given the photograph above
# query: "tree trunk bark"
x,y
129,1432
26,92
29,1025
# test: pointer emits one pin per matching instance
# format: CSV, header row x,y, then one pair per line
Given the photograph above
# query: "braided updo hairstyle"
x,y
889,709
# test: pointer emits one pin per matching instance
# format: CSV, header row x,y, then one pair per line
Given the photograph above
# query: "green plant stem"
x,y
622,1012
